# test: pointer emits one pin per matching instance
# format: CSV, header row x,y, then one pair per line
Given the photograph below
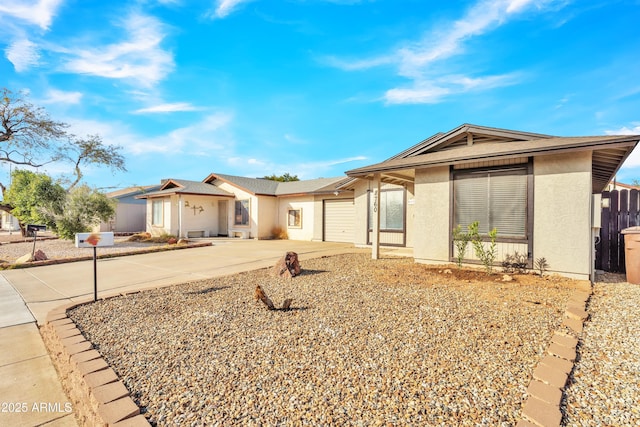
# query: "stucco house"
x,y
131,211
541,192
227,205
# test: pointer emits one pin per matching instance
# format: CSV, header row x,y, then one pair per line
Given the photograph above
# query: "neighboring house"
x,y
227,205
541,192
130,216
614,185
8,222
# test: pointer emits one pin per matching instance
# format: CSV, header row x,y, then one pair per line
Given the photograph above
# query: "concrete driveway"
x,y
27,376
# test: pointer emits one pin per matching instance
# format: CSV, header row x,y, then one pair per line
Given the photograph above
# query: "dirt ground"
x,y
451,276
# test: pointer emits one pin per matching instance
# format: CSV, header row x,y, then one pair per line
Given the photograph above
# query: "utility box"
x,y
632,254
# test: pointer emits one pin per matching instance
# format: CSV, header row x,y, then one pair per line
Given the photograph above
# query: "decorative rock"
x,y
506,278
39,256
287,266
24,259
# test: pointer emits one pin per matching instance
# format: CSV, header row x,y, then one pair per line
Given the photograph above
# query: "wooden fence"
x,y
623,212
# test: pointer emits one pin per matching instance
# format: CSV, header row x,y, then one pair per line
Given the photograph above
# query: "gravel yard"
x,y
605,386
365,343
14,246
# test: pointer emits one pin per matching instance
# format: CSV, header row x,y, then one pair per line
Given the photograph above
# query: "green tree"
x,y
283,178
84,207
35,198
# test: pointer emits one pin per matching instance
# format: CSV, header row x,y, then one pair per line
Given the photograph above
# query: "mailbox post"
x,y
94,240
34,229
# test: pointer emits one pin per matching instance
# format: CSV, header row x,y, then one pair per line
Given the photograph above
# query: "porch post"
x,y
179,215
375,235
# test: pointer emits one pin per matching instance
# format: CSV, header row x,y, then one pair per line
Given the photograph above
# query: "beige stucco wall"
x,y
431,215
267,213
307,206
562,212
204,217
253,209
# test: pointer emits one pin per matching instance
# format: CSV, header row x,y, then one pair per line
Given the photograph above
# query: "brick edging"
x,y
545,391
98,396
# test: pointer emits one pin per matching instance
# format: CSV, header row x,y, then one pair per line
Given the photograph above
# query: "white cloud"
x,y
360,64
433,91
624,130
208,137
55,96
138,58
633,161
416,61
38,13
23,54
167,108
225,7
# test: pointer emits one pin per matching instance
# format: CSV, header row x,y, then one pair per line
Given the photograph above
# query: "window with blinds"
x,y
494,198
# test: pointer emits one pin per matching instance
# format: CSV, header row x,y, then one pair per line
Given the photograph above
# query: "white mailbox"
x,y
94,240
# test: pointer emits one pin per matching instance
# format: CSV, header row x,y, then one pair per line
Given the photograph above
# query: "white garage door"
x,y
339,220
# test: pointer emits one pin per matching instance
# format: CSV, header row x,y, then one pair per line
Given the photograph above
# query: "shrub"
x,y
279,233
148,238
541,265
486,254
516,263
461,241
139,237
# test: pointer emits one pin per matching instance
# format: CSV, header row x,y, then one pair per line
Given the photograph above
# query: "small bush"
x,y
148,238
541,265
460,240
279,233
516,263
139,237
486,254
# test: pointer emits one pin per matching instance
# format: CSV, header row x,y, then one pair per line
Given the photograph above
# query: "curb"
x,y
98,396
545,391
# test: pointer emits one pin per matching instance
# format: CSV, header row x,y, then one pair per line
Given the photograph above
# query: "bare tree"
x,y
29,137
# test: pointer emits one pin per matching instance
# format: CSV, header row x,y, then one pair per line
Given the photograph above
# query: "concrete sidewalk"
x,y
30,392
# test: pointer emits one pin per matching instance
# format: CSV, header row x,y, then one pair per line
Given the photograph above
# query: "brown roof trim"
x,y
498,151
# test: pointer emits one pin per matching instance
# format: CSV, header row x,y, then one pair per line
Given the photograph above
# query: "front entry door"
x,y
223,218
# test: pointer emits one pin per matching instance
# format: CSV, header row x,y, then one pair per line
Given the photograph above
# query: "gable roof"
x,y
255,186
266,187
131,191
182,186
461,134
470,143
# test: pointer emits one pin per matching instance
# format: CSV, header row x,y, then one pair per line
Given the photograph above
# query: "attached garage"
x,y
339,220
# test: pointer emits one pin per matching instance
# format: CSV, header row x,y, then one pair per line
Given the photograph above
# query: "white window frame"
x,y
246,205
157,212
297,218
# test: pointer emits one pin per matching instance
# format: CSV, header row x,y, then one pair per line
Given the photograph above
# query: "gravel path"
x,y
605,386
366,343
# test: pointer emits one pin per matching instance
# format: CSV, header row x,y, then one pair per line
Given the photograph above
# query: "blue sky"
x,y
316,87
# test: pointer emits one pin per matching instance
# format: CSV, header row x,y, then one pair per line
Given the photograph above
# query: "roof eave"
x,y
534,151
